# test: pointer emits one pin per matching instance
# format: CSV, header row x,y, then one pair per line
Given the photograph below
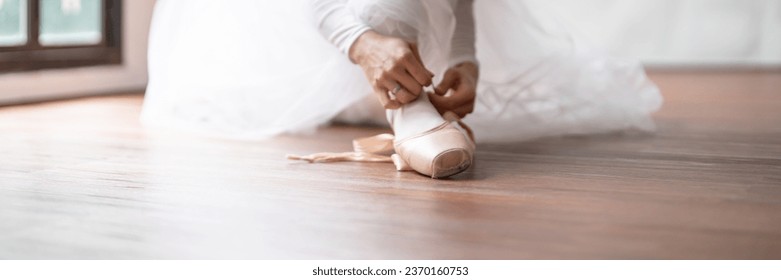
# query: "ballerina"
x,y
290,71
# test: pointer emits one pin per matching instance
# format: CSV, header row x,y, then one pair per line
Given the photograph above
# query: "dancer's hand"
x,y
392,66
461,80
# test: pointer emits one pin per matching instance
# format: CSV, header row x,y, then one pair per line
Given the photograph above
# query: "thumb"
x,y
448,81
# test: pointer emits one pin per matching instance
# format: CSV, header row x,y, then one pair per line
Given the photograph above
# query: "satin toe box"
x,y
440,153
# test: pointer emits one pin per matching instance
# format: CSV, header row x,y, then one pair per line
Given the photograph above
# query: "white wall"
x,y
131,75
679,32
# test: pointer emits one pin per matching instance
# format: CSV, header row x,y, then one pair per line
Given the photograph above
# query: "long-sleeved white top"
x,y
462,46
342,28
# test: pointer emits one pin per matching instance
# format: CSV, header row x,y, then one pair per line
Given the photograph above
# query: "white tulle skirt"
x,y
254,69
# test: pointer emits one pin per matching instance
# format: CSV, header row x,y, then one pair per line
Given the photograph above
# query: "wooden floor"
x,y
82,179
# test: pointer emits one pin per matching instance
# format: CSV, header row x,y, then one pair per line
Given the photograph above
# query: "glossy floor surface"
x,y
82,179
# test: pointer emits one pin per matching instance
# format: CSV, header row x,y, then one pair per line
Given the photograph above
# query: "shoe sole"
x,y
459,159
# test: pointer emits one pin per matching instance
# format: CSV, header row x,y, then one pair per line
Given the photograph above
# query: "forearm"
x,y
463,42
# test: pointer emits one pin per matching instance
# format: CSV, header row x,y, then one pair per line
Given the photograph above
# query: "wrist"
x,y
360,46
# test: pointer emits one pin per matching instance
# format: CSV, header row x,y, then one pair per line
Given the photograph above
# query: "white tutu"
x,y
254,69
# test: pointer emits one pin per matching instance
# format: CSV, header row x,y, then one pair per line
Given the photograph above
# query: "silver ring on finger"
x,y
396,89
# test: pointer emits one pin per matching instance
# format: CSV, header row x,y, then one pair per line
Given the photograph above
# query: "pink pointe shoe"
x,y
440,152
425,142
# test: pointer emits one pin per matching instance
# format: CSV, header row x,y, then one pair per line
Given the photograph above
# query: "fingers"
x,y
460,102
408,82
385,99
464,110
415,67
448,81
398,75
416,70
443,105
403,96
416,53
410,72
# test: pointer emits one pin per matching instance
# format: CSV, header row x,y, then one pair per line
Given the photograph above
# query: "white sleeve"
x,y
462,46
337,24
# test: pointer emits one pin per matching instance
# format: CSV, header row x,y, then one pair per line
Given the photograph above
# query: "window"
x,y
41,34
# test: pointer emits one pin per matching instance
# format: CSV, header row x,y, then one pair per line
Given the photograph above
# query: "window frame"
x,y
34,56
